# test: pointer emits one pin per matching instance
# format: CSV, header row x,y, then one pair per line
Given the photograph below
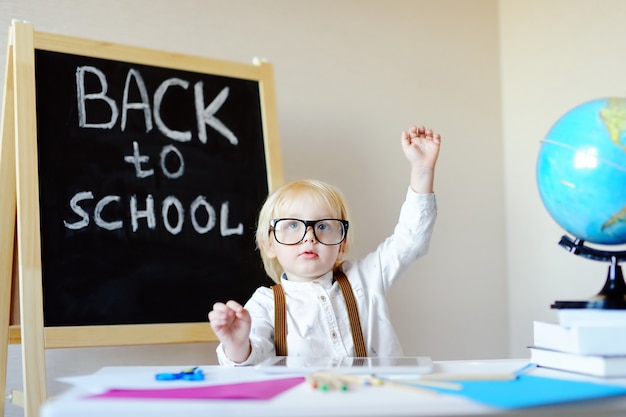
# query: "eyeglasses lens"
x,y
293,231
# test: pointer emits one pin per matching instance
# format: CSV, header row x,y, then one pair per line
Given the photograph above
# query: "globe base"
x,y
613,294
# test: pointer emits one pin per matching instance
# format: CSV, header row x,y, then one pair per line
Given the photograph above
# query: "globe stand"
x,y
613,294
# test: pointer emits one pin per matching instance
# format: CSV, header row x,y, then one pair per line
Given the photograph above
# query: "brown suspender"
x,y
280,320
353,314
280,317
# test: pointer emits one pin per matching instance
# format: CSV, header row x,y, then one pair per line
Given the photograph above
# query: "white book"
x,y
585,338
601,366
571,316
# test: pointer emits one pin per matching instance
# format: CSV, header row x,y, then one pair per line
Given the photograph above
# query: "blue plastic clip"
x,y
190,374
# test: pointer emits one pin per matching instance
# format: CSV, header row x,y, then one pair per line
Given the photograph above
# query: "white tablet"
x,y
375,365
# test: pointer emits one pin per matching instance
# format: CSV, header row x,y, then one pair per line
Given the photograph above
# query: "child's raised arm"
x,y
421,148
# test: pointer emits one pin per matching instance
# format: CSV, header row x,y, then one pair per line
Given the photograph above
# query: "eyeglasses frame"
x,y
308,223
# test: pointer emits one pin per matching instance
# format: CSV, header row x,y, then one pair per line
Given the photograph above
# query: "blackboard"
x,y
150,181
97,139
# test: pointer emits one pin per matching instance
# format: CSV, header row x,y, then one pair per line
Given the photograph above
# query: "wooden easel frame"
x,y
7,219
20,188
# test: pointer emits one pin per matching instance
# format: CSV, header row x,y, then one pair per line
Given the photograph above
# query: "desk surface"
x,y
303,400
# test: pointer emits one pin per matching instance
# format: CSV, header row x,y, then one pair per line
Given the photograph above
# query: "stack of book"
x,y
586,341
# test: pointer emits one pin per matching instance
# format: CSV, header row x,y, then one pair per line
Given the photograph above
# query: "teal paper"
x,y
533,391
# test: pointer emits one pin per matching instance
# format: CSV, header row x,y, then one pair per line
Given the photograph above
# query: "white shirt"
x,y
317,317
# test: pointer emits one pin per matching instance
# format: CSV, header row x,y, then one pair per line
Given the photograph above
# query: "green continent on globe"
x,y
620,216
581,171
614,116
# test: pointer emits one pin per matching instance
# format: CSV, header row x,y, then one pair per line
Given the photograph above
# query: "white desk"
x,y
359,402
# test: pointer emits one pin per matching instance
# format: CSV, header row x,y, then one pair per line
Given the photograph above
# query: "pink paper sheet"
x,y
257,390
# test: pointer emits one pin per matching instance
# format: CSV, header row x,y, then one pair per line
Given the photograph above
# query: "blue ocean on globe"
x,y
581,171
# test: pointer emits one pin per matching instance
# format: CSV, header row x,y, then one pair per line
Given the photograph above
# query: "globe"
x,y
581,171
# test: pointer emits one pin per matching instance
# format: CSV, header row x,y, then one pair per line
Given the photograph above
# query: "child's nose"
x,y
309,234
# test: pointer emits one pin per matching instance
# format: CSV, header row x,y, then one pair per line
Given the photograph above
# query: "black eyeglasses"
x,y
290,231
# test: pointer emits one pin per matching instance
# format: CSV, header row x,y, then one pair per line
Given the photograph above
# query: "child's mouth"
x,y
308,254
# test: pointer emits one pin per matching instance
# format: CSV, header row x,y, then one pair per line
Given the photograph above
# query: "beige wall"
x,y
490,75
555,55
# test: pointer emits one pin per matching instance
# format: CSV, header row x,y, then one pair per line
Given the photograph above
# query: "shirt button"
x,y
323,298
333,334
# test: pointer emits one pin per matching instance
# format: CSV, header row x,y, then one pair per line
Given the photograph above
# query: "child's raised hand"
x,y
231,324
421,146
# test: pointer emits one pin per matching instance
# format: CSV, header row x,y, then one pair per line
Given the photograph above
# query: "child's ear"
x,y
342,250
268,248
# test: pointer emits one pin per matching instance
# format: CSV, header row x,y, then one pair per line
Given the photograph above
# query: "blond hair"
x,y
277,203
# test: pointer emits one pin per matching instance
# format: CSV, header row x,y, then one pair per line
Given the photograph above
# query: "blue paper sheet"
x,y
533,391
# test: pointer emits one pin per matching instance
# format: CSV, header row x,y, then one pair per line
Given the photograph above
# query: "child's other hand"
x,y
421,147
231,324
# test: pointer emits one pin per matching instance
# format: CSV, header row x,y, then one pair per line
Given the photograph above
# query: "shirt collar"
x,y
325,281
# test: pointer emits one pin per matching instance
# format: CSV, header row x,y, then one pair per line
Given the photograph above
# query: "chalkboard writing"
x,y
150,180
